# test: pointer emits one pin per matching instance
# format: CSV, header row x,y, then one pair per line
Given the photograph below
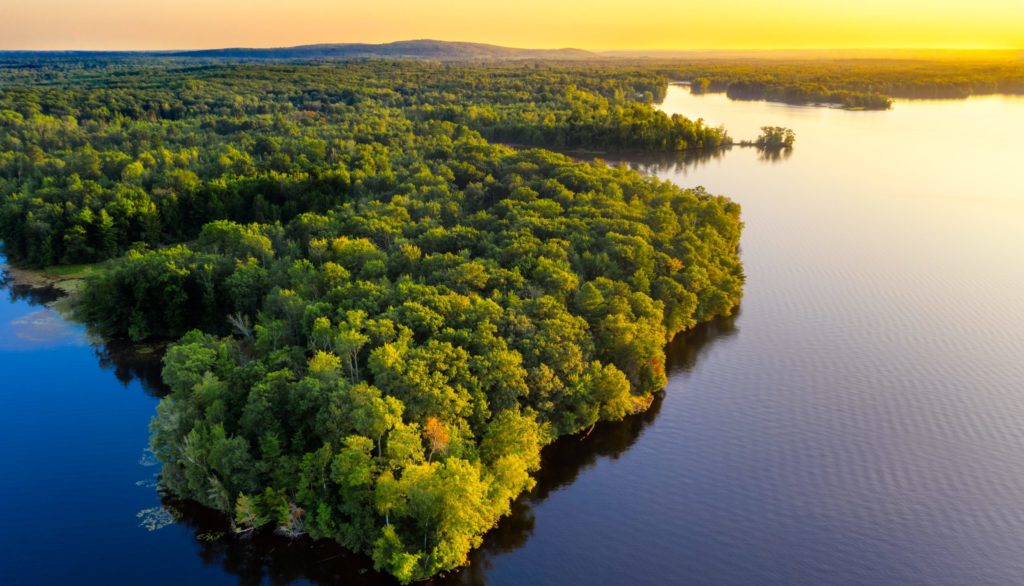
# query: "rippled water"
x,y
861,421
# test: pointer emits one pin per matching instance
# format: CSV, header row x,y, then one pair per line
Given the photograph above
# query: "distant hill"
x,y
419,49
459,51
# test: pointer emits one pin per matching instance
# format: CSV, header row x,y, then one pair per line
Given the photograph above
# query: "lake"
x,y
859,421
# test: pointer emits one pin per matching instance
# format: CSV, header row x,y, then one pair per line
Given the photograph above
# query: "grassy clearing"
x,y
80,271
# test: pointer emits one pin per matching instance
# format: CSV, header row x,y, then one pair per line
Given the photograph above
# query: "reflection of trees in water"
x,y
774,154
682,164
681,354
561,464
265,556
651,163
27,293
678,163
31,295
131,361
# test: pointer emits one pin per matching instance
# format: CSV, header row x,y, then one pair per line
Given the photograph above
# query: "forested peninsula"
x,y
382,315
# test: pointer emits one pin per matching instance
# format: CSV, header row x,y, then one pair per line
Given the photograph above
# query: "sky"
x,y
593,24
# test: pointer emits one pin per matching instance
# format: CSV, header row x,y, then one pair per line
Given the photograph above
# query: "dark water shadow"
x,y
683,352
774,155
135,362
652,163
35,296
682,164
265,557
19,292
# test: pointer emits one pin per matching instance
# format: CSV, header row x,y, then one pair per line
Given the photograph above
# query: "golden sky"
x,y
593,24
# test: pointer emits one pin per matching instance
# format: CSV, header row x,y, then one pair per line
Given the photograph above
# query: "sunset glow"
x,y
595,24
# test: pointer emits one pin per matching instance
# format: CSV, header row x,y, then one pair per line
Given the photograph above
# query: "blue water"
x,y
75,470
861,421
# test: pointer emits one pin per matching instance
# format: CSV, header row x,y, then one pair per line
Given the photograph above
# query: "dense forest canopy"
x,y
151,153
383,315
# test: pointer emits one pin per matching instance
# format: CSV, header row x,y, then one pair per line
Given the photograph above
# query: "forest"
x,y
381,313
148,154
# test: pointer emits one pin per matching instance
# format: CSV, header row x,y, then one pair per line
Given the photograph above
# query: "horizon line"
x,y
989,49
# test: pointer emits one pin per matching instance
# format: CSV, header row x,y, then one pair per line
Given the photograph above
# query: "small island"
x,y
775,138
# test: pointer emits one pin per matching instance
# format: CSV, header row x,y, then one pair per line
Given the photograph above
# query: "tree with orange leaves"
x,y
436,435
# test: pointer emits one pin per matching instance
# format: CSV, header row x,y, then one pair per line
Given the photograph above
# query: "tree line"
x,y
851,83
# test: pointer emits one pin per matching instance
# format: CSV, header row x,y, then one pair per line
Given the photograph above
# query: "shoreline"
x,y
57,291
60,292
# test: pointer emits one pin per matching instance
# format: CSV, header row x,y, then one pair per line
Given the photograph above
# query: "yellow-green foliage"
x,y
391,314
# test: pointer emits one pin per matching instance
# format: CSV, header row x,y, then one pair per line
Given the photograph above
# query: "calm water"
x,y
861,421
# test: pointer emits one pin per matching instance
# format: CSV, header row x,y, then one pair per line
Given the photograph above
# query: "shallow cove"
x,y
859,422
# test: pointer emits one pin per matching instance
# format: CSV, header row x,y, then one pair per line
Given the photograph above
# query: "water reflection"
x,y
264,556
131,361
32,295
682,353
44,295
668,161
683,164
773,154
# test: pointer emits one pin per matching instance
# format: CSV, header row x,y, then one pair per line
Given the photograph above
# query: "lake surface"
x,y
860,421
